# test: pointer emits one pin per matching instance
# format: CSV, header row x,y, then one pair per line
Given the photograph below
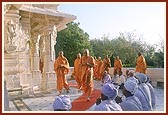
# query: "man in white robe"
x,y
131,76
143,92
106,78
62,103
131,102
151,91
107,102
121,80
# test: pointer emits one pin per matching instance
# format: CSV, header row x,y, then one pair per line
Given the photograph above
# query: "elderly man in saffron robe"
x,y
99,63
61,67
106,65
77,70
140,64
87,64
117,65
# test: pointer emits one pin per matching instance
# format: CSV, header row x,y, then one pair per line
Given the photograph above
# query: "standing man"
x,y
87,63
117,65
140,64
106,65
61,67
77,70
99,63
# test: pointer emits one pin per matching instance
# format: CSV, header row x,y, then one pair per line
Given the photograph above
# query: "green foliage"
x,y
72,40
126,47
158,59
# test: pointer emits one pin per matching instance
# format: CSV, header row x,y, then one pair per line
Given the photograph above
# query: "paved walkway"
x,y
43,101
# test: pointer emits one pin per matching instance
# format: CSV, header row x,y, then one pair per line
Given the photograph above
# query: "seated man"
x,y
107,100
106,78
121,80
132,77
143,92
131,102
62,103
153,99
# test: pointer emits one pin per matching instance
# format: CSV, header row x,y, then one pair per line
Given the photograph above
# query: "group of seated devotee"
x,y
137,91
116,79
137,95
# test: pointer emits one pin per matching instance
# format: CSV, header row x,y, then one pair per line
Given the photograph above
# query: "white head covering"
x,y
62,102
142,77
109,90
131,86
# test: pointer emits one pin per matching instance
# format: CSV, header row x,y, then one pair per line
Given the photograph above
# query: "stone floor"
x,y
43,101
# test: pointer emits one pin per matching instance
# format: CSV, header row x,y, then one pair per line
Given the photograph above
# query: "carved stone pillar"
x,y
11,70
34,58
49,57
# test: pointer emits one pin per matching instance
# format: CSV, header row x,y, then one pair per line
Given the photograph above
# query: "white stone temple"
x,y
30,32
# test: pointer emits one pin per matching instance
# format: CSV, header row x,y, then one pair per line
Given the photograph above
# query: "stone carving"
x,y
16,37
21,39
53,41
11,31
37,45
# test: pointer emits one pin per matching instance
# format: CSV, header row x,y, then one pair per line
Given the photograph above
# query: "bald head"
x,y
139,53
86,52
61,53
78,55
117,57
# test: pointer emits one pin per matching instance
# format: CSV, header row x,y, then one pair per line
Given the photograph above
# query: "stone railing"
x,y
156,75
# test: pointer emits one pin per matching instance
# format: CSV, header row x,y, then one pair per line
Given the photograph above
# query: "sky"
x,y
145,19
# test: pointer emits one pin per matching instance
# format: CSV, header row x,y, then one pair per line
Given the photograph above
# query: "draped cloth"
x,y
77,71
140,65
117,65
99,63
105,66
131,103
61,67
87,74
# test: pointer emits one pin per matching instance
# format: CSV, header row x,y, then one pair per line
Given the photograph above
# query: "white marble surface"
x,y
45,103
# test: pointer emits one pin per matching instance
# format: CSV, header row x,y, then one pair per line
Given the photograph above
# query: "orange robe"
x,y
105,66
99,63
95,70
140,65
77,71
87,74
61,67
117,65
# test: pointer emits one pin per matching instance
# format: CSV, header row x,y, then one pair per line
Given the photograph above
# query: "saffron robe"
x,y
61,67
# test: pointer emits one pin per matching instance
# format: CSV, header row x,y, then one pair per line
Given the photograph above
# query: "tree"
x,y
127,46
72,40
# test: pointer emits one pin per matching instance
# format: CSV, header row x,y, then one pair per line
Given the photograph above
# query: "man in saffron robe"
x,y
87,64
117,65
106,65
77,70
140,64
61,67
99,63
95,69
